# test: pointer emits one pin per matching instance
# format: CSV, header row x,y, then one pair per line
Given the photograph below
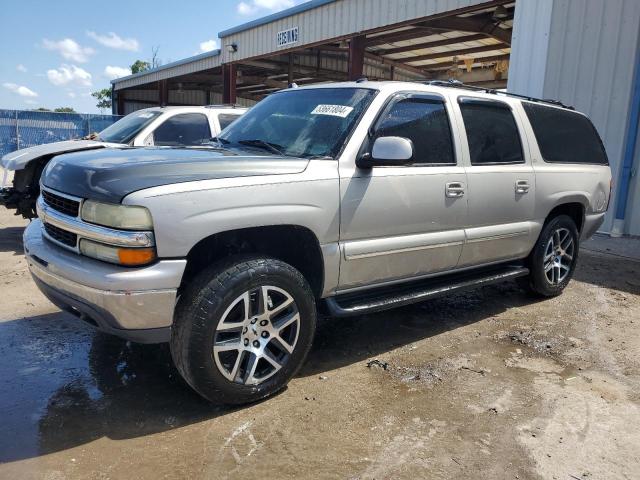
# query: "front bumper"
x,y
133,303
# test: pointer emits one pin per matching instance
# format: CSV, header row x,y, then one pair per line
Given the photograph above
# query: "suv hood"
x,y
111,174
18,160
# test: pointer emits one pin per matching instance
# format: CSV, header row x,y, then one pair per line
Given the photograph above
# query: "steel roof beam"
x,y
479,24
438,43
454,53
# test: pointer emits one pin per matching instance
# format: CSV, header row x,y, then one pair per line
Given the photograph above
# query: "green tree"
x,y
104,98
41,109
140,66
64,110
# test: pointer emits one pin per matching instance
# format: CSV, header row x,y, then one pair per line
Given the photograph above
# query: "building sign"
x,y
287,37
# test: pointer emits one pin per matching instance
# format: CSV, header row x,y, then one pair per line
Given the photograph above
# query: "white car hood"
x,y
18,160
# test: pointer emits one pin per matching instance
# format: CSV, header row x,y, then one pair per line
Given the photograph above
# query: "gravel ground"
x,y
489,384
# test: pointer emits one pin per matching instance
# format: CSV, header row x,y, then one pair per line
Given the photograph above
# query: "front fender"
x,y
183,214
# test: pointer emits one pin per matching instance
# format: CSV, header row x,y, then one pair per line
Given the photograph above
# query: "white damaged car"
x,y
157,126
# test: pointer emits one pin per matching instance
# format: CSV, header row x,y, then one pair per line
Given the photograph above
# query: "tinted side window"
x,y
426,123
226,119
564,136
492,132
183,129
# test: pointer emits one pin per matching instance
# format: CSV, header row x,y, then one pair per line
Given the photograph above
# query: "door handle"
x,y
454,190
522,186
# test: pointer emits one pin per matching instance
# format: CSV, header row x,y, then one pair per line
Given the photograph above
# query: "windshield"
x,y
128,127
300,123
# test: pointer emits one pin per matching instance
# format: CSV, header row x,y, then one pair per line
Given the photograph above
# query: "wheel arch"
x,y
574,209
294,244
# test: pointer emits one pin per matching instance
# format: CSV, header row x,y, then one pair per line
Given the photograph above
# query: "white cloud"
x,y
69,49
112,72
71,94
246,9
31,102
68,74
112,40
208,46
20,90
253,6
21,68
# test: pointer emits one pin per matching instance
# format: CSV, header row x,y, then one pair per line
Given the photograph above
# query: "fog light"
x,y
119,255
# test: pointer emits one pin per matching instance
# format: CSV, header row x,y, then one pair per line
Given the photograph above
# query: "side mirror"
x,y
388,152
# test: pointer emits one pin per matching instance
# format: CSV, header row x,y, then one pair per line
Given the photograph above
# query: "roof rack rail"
x,y
458,84
224,105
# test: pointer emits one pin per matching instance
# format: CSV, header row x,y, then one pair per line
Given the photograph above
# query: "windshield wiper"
x,y
220,140
272,147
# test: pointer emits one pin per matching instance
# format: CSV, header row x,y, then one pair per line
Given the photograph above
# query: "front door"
x,y
402,222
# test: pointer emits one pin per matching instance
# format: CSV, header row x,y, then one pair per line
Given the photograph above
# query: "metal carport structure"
x,y
330,40
582,52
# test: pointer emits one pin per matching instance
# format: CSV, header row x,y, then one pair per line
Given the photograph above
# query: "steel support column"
x,y
163,93
356,57
229,74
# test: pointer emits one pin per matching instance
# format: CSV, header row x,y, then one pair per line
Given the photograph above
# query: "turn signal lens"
x,y
130,257
136,256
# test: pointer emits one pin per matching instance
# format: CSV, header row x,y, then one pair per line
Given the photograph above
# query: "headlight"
x,y
130,257
123,217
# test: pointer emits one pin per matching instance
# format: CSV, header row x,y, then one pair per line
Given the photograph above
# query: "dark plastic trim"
x,y
424,290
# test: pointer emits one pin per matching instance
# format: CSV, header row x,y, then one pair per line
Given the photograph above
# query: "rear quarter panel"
x,y
561,183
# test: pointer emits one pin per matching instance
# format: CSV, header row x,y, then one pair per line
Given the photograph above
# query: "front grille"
x,y
61,204
62,236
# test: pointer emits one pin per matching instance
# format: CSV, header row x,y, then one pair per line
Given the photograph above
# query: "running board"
x,y
376,300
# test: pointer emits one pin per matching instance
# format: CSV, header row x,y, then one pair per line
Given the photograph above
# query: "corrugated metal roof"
x,y
303,7
203,61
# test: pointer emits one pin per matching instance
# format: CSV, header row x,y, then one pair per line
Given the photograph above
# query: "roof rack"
x,y
458,84
224,105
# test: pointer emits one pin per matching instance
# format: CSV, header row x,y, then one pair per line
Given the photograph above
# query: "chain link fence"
x,y
25,128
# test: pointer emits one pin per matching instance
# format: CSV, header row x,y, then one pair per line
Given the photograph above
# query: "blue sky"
x,y
55,53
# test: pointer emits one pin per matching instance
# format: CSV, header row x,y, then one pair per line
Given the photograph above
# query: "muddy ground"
x,y
489,384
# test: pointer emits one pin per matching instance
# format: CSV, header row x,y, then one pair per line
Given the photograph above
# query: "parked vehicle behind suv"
x,y
161,126
355,197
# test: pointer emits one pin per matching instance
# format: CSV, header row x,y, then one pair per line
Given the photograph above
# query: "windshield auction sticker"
x,y
333,110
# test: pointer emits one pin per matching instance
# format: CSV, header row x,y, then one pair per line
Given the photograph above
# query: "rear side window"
x,y
425,122
184,129
565,136
492,132
226,119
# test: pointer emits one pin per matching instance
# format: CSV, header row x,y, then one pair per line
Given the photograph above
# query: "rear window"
x,y
492,132
565,136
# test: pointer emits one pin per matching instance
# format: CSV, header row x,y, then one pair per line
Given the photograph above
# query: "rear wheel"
x,y
553,259
243,329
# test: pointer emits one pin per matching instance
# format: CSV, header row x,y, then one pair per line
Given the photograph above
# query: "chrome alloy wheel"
x,y
558,256
256,335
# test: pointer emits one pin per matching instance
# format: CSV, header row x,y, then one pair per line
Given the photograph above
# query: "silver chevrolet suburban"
x,y
352,198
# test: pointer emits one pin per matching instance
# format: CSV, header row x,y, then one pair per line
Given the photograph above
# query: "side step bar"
x,y
376,300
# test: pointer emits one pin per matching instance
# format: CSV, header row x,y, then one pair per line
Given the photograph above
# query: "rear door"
x,y
501,183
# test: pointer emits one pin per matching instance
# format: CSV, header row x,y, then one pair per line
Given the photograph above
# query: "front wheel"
x,y
243,329
553,260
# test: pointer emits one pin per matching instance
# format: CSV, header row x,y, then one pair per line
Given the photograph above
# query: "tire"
x,y
546,281
213,308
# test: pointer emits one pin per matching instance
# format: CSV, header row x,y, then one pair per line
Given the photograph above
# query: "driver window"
x,y
425,122
183,129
